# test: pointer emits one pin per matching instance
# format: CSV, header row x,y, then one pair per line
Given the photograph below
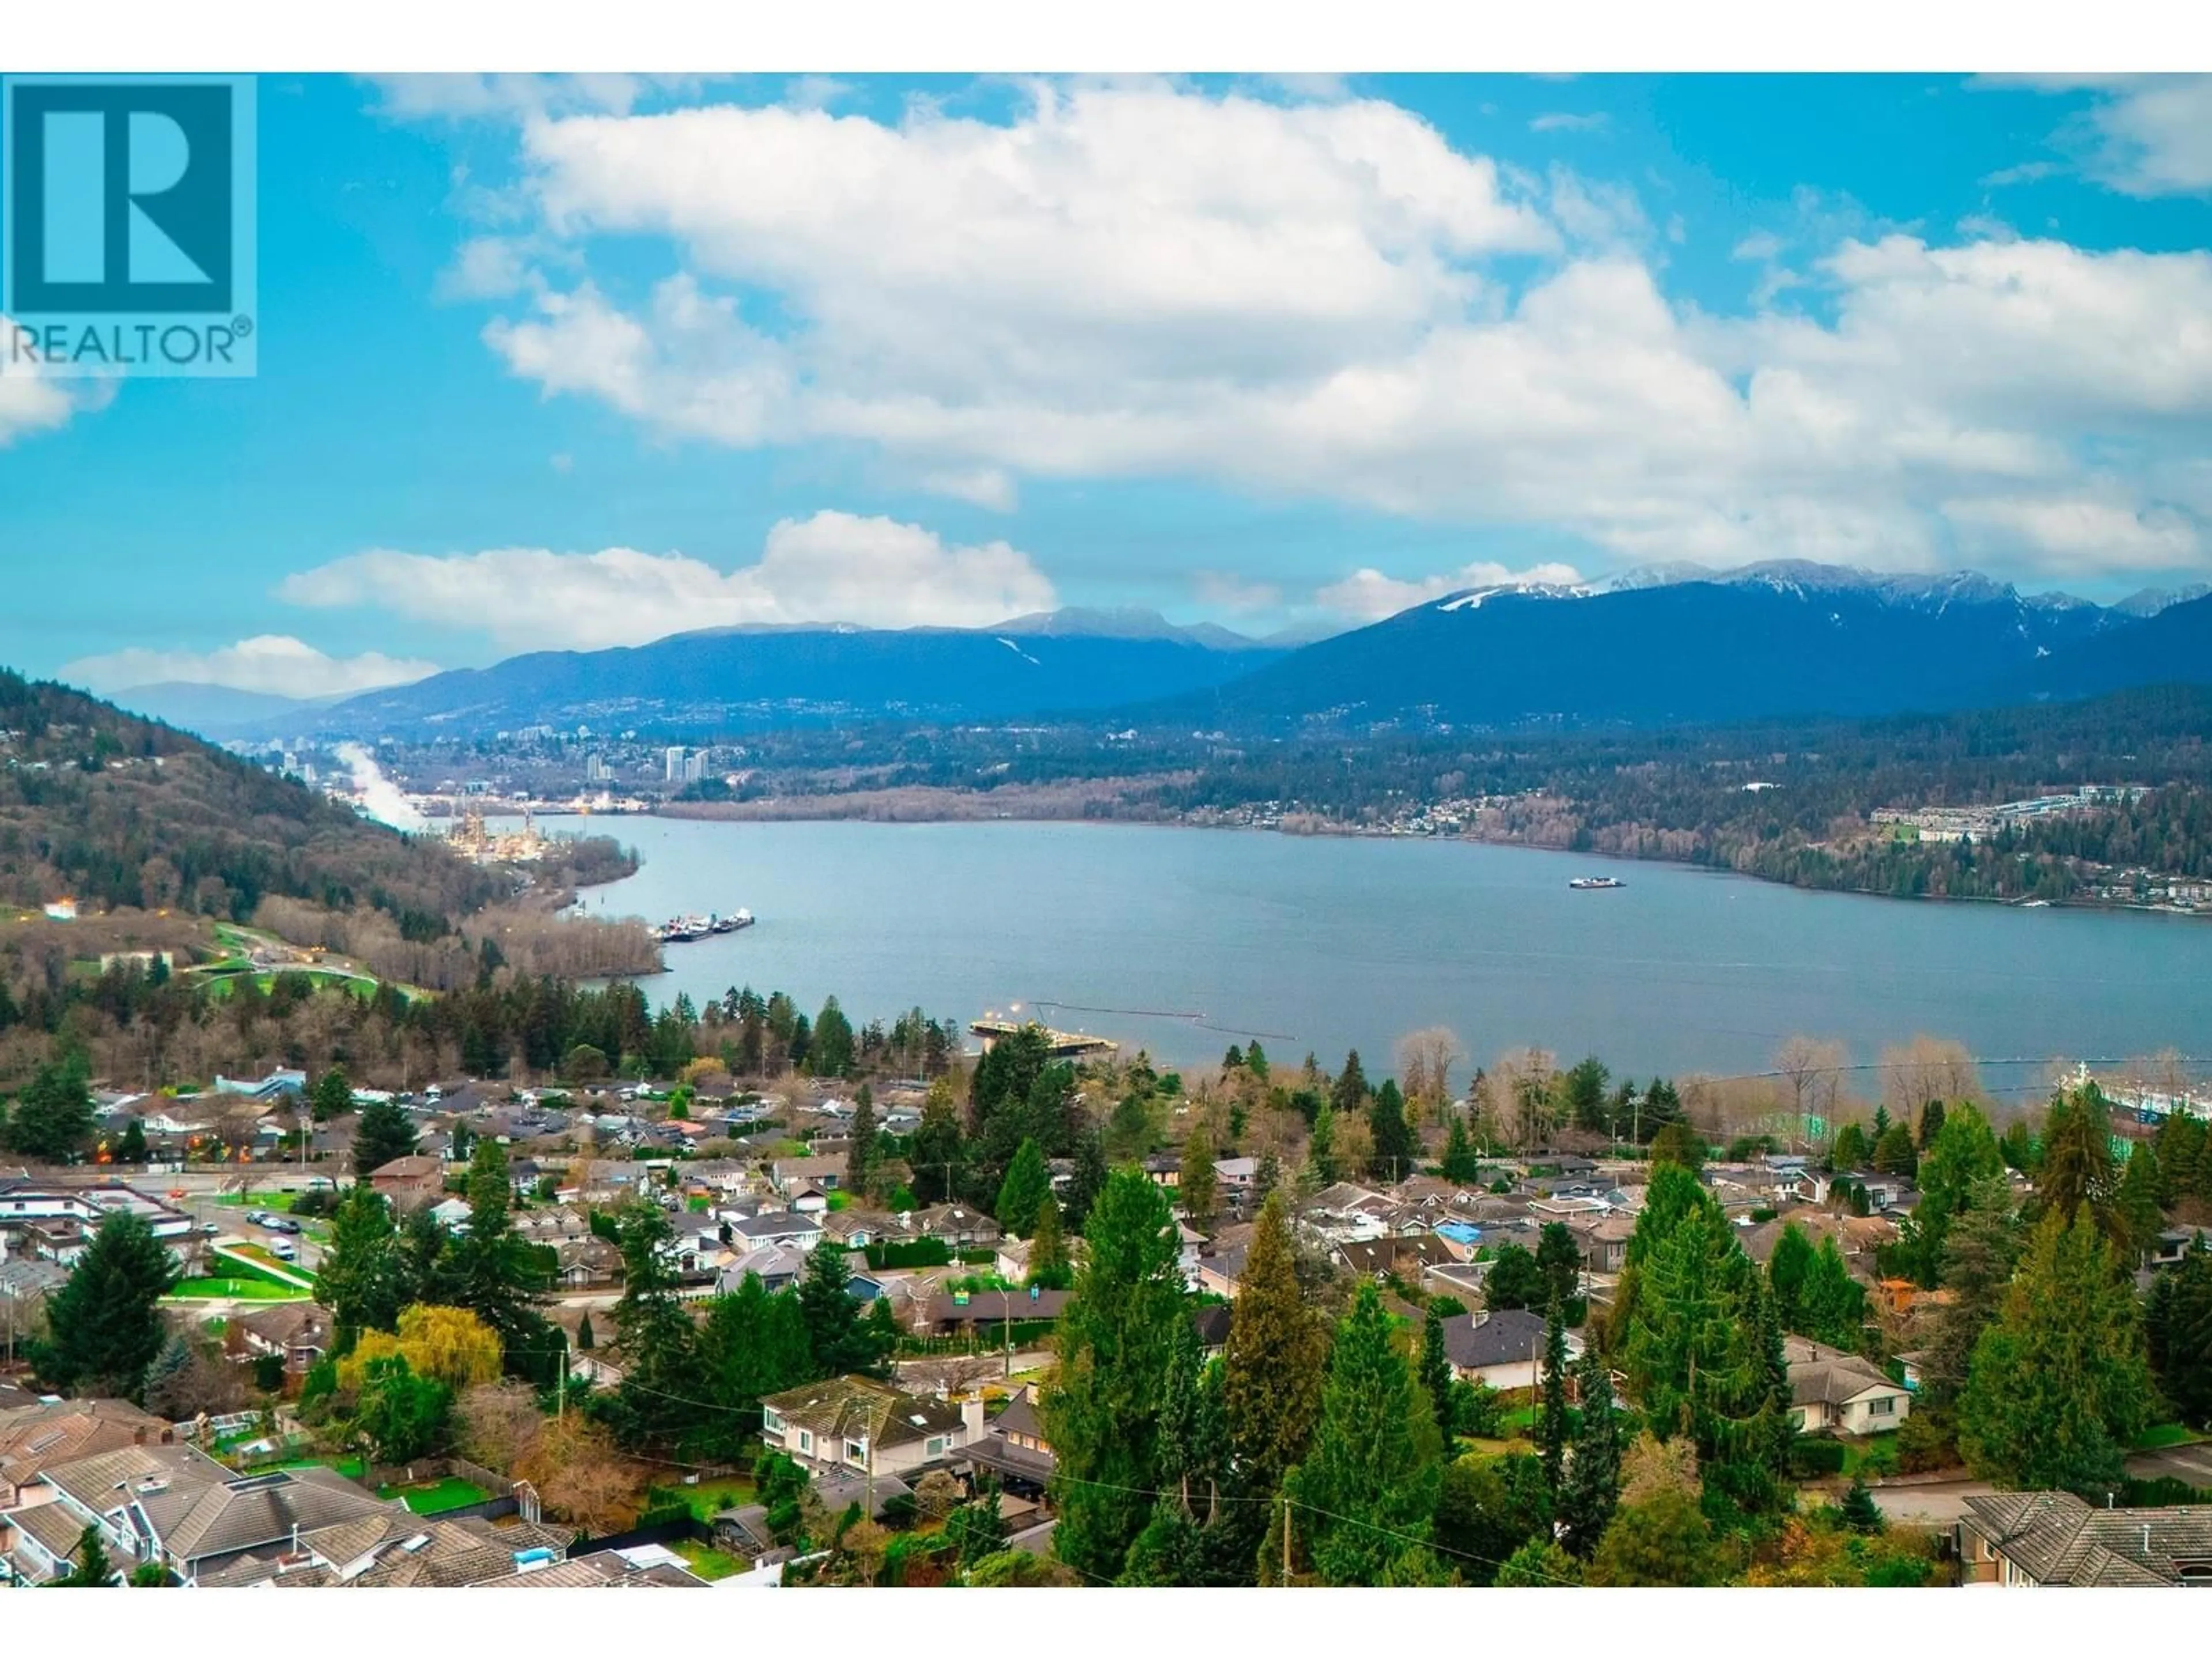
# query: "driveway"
x,y
1937,1503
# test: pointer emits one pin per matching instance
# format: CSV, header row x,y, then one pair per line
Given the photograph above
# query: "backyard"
x,y
436,1497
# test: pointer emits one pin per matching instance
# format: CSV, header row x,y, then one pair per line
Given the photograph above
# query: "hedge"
x,y
1817,1457
913,1253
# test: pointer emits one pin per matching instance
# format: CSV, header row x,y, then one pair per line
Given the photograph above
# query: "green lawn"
x,y
2163,1435
710,1497
244,1290
708,1564
436,1497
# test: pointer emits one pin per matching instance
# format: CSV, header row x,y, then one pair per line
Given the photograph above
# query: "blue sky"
x,y
572,364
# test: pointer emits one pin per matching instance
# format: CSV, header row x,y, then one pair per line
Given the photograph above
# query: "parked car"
x,y
282,1224
283,1249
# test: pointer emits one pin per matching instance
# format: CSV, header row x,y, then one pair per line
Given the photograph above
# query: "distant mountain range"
x,y
1773,639
753,678
1675,643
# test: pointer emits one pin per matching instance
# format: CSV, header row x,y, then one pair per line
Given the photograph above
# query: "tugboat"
x,y
1595,884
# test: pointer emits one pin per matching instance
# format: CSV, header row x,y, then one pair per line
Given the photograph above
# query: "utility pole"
x,y
1287,1540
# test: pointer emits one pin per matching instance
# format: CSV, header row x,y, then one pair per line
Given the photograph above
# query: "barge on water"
x,y
681,930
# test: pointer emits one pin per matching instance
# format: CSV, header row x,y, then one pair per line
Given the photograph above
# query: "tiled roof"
x,y
851,1407
2055,1538
1825,1375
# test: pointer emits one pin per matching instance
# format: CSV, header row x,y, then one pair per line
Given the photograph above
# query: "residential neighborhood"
x,y
454,1345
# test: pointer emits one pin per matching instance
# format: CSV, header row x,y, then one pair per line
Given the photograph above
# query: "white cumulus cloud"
x,y
831,568
1326,301
273,662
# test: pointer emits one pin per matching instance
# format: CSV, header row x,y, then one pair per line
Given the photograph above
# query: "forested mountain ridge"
x,y
113,811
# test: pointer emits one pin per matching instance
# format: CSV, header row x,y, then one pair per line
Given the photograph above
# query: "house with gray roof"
x,y
1504,1349
1837,1393
2025,1539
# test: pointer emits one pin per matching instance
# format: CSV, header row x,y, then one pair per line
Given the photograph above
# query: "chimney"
x,y
971,1418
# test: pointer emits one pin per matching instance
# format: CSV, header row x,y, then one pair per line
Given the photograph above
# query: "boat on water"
x,y
681,930
1588,883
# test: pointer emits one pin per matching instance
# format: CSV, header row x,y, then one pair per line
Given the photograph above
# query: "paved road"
x,y
1938,1504
2190,1463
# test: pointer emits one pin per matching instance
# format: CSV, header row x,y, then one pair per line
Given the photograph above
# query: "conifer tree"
x,y
1272,1361
1116,1342
1436,1371
861,1156
1592,1488
1048,1264
2060,1385
384,1133
1552,1428
1027,1185
104,1328
1088,1180
1397,1149
1364,1498
1461,1164
1198,1187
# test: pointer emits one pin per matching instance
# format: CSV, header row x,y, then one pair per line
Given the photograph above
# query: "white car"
x,y
283,1249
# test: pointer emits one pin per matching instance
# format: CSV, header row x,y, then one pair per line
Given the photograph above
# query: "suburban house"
x,y
299,1331
205,1522
2023,1539
1220,1269
45,1433
1504,1349
953,1225
1839,1392
786,1227
778,1267
857,1423
408,1183
1380,1258
588,1263
854,1230
1012,1445
790,1175
962,1313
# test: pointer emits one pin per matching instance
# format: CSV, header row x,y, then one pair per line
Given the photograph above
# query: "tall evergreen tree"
x,y
938,1150
1116,1342
104,1328
657,1402
752,1344
1086,1182
1397,1149
1436,1371
1182,1543
2076,1167
2178,1330
1347,1095
332,1097
1461,1166
861,1156
843,1341
1272,1361
1788,1270
1027,1185
384,1133
2060,1385
495,1272
1199,1188
1552,1428
1591,1491
1364,1498
362,1279
52,1118
1049,1265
